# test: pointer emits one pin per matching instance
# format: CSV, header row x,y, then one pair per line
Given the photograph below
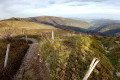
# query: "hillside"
x,y
56,21
112,30
17,52
69,55
112,48
72,57
97,27
107,27
102,22
24,24
13,28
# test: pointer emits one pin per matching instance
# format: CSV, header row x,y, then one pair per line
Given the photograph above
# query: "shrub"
x,y
18,49
69,59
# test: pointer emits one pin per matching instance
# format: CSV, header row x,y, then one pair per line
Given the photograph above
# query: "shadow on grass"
x,y
18,48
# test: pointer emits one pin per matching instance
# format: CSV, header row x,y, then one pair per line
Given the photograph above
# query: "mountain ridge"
x,y
99,27
55,21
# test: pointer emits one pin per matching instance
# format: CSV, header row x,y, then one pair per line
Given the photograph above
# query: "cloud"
x,y
64,8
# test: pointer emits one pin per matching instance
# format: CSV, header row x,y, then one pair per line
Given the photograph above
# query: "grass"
x,y
114,52
18,49
27,25
113,59
69,58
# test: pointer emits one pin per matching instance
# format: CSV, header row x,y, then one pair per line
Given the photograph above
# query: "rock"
x,y
107,51
118,74
106,48
118,42
111,48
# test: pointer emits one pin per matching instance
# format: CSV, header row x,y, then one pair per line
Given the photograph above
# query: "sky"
x,y
86,9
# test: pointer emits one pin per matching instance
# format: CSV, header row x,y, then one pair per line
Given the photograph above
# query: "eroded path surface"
x,y
32,67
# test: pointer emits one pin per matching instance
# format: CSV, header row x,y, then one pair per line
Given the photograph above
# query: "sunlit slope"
x,y
69,58
52,20
14,28
26,25
107,27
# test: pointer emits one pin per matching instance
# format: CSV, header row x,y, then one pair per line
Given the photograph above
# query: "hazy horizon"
x,y
84,9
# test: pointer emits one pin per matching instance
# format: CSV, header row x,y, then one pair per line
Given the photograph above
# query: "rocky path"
x,y
32,67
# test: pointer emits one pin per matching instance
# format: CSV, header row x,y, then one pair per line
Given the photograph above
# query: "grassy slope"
x,y
112,27
111,30
56,21
114,50
108,29
69,58
15,28
17,52
28,25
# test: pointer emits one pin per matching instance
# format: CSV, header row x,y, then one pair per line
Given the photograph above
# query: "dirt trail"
x,y
32,67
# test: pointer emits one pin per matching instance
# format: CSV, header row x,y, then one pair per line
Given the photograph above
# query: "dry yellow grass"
x,y
20,27
26,25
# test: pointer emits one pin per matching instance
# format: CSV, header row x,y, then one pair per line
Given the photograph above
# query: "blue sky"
x,y
88,9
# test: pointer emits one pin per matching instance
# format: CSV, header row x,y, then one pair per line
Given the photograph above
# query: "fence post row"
x,y
6,57
92,66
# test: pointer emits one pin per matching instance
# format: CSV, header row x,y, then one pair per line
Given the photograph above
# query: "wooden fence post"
x,y
52,35
6,57
25,33
92,66
22,32
93,61
26,37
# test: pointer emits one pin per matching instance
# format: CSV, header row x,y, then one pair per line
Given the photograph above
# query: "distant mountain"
x,y
105,26
56,21
97,27
81,19
101,23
